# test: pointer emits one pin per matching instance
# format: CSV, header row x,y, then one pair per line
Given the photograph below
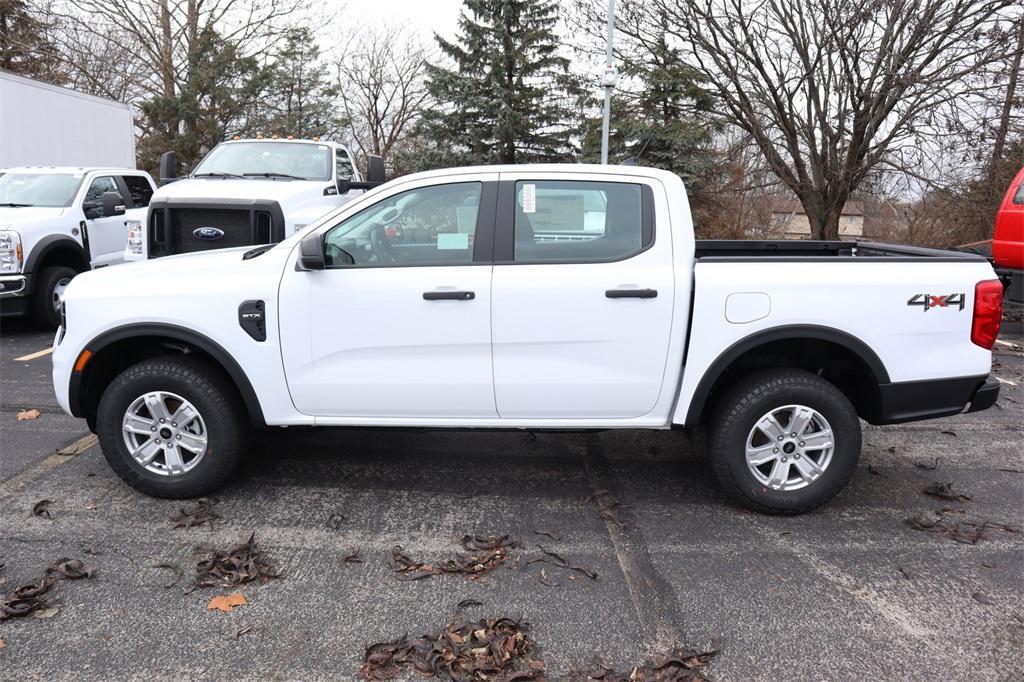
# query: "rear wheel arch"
x,y
840,358
119,348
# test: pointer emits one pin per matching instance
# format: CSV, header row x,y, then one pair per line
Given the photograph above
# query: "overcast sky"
x,y
421,16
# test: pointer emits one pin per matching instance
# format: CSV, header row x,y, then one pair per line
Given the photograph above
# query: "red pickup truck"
x,y
1008,241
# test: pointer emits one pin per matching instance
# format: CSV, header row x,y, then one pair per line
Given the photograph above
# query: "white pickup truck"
x,y
246,193
561,297
57,222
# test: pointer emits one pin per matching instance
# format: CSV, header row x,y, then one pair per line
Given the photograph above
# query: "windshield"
x,y
38,189
295,160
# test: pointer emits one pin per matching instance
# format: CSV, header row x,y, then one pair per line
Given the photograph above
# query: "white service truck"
x,y
46,125
56,222
245,193
539,297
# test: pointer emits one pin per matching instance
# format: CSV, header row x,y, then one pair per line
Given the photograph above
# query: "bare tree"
x,y
830,90
381,84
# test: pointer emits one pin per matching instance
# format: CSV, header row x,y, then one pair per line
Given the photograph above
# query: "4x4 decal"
x,y
928,301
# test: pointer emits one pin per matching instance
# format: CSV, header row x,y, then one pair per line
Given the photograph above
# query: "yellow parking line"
x,y
33,356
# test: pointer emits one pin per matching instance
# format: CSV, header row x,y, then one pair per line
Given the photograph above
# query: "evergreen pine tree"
x,y
503,101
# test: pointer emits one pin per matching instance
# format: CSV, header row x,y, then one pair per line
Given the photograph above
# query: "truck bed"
x,y
804,250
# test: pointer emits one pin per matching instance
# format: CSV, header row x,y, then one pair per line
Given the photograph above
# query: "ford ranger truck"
x,y
529,297
58,222
246,193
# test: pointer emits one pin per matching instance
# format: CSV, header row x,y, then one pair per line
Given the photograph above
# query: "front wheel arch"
x,y
119,348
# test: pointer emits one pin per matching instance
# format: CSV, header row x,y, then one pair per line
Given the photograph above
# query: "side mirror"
x,y
374,169
343,186
168,167
113,204
311,253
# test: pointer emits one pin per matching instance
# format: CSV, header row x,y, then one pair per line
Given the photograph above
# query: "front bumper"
x,y
13,285
908,401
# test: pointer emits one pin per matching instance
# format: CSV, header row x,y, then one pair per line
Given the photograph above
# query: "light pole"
x,y
608,82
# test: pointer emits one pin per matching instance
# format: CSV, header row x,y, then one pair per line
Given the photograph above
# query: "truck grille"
x,y
174,228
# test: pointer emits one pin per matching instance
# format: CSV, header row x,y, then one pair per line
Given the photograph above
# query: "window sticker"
x,y
529,198
452,241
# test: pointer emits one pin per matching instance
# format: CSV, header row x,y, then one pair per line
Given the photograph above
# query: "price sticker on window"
x,y
529,198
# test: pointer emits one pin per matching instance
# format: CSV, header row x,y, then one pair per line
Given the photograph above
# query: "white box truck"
x,y
46,125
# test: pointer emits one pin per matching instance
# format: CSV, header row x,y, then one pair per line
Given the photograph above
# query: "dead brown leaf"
x,y
928,467
226,603
71,569
48,612
42,509
198,515
28,415
240,564
352,558
944,491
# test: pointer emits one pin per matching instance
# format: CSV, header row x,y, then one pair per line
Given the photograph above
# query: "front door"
x,y
107,234
582,293
398,324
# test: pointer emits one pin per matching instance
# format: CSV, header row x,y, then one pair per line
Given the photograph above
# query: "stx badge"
x,y
927,301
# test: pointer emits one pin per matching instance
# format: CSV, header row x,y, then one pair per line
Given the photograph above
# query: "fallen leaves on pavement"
x,y
967,532
676,666
34,596
28,415
199,515
482,555
72,569
42,509
352,558
983,598
560,562
928,467
944,491
608,507
240,564
487,649
226,603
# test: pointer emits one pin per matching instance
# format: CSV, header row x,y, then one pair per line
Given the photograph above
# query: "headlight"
x,y
10,251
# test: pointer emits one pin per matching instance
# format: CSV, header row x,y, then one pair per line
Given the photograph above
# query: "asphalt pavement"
x,y
851,591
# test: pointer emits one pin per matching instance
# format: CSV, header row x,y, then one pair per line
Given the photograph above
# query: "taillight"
x,y
988,312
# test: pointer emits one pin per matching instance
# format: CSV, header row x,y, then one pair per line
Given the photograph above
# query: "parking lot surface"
x,y
852,591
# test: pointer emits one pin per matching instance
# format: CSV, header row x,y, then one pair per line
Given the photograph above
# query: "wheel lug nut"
x,y
174,424
775,449
801,443
178,437
783,459
780,437
161,421
792,435
796,456
158,441
152,428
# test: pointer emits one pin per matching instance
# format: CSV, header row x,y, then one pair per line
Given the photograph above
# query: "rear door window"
x,y
579,221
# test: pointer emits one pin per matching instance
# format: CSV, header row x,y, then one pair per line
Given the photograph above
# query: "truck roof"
x,y
329,143
577,168
67,169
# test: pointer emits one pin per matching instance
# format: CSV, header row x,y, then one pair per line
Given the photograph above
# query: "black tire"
x,y
738,411
210,392
42,309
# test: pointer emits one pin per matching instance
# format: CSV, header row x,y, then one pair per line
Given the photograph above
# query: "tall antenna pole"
x,y
608,82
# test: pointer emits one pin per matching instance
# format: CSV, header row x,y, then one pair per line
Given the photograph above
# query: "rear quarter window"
x,y
140,189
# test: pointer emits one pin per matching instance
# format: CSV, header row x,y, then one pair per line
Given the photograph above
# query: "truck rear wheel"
x,y
172,427
50,286
784,441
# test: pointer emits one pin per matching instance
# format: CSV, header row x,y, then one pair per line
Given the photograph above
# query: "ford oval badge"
x,y
208,234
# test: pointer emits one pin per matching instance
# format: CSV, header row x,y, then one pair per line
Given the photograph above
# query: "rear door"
x,y
582,295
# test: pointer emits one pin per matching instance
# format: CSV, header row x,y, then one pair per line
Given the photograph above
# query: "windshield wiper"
x,y
9,204
216,175
274,175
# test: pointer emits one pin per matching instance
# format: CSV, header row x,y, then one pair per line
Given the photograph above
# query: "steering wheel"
x,y
381,245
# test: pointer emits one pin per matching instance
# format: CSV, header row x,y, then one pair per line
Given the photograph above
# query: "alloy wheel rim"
x,y
789,447
164,433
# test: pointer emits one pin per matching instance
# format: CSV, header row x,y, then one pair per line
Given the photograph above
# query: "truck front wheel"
x,y
50,285
784,441
172,427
